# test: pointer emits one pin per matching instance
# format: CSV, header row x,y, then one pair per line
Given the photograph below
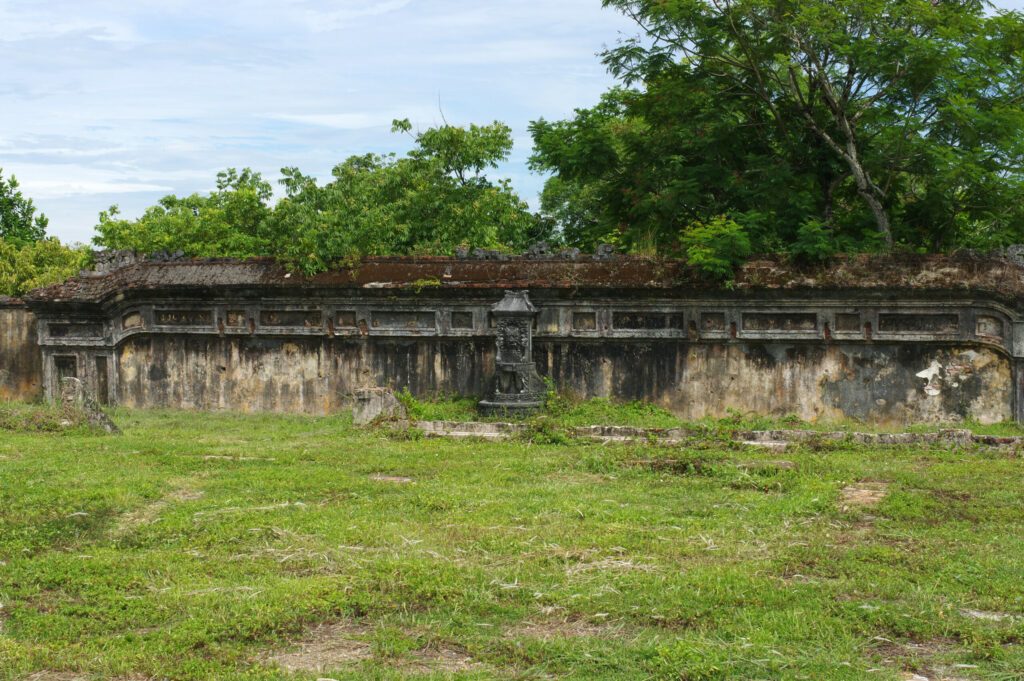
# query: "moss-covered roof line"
x,y
1002,277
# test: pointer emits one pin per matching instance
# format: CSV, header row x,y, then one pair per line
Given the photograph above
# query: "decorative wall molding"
x,y
230,334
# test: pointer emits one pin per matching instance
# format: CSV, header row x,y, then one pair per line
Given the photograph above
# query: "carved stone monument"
x,y
518,388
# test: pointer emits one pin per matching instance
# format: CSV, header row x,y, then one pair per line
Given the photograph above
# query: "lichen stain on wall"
x,y
921,383
876,383
884,383
308,375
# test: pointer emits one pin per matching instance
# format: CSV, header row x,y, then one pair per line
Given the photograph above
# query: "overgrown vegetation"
x,y
28,259
563,413
432,200
43,418
817,126
38,263
803,127
236,547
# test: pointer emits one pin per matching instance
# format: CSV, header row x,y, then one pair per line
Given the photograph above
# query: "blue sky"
x,y
116,101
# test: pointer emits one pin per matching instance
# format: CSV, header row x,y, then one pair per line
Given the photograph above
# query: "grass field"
x,y
273,547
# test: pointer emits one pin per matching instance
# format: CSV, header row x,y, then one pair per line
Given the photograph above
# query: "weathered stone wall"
x,y
311,375
876,383
20,357
929,341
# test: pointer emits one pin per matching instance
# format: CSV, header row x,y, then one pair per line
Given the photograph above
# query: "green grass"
x,y
199,546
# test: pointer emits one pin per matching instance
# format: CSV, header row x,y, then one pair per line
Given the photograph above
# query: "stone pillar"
x,y
518,388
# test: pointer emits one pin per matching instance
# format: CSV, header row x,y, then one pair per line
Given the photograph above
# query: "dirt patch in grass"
x,y
331,646
326,647
863,495
548,629
923,660
394,479
148,514
442,657
988,616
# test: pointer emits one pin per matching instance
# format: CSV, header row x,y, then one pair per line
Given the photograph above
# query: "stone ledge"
x,y
771,439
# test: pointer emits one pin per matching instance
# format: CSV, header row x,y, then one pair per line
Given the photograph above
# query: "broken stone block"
x,y
73,398
376,404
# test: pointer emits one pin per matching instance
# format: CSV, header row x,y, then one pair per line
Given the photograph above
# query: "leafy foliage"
x,y
865,122
18,220
716,247
28,258
230,222
24,267
430,201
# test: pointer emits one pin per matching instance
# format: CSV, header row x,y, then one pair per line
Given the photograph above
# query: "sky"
x,y
121,102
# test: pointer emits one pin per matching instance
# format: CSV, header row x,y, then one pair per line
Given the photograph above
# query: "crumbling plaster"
x,y
922,340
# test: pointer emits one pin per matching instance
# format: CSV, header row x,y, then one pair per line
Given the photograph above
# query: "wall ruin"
x,y
937,340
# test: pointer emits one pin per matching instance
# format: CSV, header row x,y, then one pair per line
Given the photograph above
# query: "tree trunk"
x,y
828,190
878,210
867,191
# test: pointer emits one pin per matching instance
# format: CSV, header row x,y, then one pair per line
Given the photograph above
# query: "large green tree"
x,y
229,222
32,264
28,258
814,124
432,200
19,222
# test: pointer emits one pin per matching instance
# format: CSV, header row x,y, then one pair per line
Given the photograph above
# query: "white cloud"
x,y
320,20
47,189
123,101
340,121
61,152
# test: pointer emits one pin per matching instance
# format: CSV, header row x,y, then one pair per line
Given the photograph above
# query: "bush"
x,y
24,267
716,247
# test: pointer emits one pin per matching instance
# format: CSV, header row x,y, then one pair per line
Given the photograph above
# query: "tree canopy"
x,y
28,258
812,125
30,265
18,220
429,201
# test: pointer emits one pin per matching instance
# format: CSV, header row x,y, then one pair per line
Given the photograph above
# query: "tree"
x,y
227,223
32,264
18,220
901,118
430,201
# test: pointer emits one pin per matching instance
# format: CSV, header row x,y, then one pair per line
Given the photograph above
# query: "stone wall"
x,y
248,336
877,383
20,358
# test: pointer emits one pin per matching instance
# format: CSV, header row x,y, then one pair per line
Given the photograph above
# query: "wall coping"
x,y
999,278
